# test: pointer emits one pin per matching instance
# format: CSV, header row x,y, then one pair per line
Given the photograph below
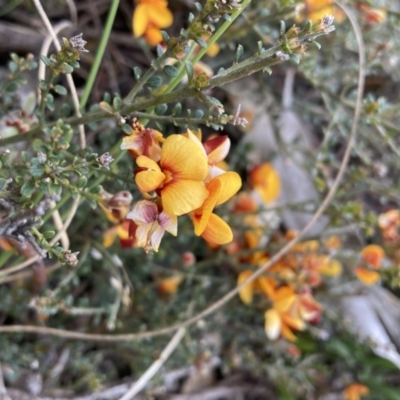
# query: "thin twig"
x,y
231,294
155,367
42,75
70,80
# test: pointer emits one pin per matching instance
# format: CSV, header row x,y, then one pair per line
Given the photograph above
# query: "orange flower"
x,y
143,142
372,15
209,225
290,312
355,391
372,255
170,285
151,224
179,176
149,17
262,284
266,181
317,9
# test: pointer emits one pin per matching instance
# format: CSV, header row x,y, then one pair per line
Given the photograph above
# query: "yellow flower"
x,y
290,312
355,391
211,227
149,17
266,181
179,176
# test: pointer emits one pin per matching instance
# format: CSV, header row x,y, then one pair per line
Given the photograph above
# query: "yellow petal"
x,y
140,19
245,293
148,181
267,285
182,197
266,181
203,214
160,16
230,184
367,277
273,324
146,162
184,159
293,322
217,231
331,268
109,236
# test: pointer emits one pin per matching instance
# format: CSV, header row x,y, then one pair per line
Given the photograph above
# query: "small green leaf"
x,y
117,103
161,109
177,109
159,50
189,70
27,188
11,87
12,66
154,82
201,42
137,72
126,128
37,168
3,183
82,181
46,60
170,71
61,90
48,235
199,114
239,53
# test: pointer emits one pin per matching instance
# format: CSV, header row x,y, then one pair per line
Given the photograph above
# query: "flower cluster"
x,y
179,175
149,17
288,286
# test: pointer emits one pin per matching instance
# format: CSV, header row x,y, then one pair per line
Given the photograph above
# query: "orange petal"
x,y
355,391
182,197
273,324
184,159
245,293
367,277
267,285
293,322
140,19
217,231
287,333
266,181
153,35
170,285
373,255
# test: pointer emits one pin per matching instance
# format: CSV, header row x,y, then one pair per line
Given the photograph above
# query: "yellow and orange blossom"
x,y
179,176
355,391
149,17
